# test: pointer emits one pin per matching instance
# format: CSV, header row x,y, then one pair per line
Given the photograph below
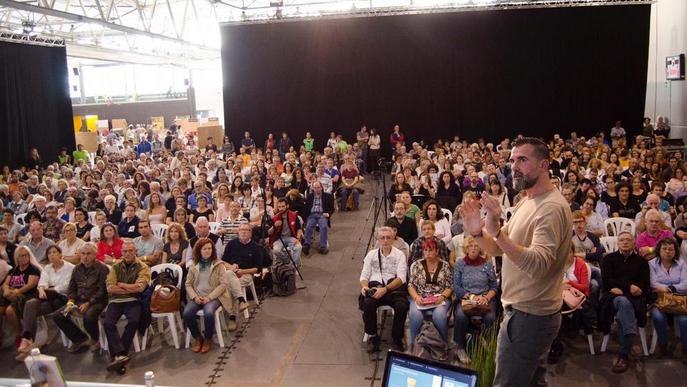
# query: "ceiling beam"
x,y
85,19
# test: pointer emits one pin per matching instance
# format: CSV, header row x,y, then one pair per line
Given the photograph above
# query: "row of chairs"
x,y
174,320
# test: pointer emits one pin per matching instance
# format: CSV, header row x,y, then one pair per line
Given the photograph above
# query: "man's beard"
x,y
525,182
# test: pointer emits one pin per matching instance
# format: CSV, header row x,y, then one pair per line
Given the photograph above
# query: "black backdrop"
x,y
476,74
35,109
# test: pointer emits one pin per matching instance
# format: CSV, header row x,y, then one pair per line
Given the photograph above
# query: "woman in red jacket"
x,y
109,246
576,276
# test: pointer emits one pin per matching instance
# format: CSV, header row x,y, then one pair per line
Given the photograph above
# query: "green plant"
x,y
482,351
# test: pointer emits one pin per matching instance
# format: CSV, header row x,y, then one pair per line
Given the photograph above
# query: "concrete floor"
x,y
313,338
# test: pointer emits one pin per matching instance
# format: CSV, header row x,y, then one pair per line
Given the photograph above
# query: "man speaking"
x,y
534,244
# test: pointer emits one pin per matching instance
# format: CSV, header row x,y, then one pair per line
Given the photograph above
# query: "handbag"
x,y
573,299
473,309
672,303
165,299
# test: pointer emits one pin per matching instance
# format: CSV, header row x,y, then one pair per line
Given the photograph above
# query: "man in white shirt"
x,y
384,273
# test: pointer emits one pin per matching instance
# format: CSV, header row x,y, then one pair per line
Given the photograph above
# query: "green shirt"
x,y
412,211
343,146
308,143
80,155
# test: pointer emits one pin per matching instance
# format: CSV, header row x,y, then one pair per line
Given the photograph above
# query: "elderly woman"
x,y
668,275
427,233
429,288
207,288
70,244
474,279
19,287
52,295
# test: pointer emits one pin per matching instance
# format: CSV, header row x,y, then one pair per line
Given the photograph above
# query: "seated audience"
x,y
428,231
350,185
128,226
319,206
624,206
176,245
207,290
668,276
432,211
6,247
148,246
625,277
110,245
37,242
286,233
83,226
655,231
429,288
474,280
127,279
71,244
407,228
86,298
52,295
19,288
381,280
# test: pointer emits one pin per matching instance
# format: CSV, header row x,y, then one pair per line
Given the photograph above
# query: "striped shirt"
x,y
231,228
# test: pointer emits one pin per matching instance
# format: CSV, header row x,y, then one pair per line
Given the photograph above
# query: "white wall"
x,y
668,37
207,81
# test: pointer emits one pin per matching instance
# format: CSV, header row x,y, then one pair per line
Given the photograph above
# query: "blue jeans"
x,y
461,324
316,219
595,286
661,325
208,317
439,318
625,315
344,197
294,249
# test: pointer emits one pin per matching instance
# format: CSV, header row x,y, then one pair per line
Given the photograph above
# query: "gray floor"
x,y
314,339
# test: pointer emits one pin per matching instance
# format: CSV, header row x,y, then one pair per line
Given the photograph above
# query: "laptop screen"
x,y
404,370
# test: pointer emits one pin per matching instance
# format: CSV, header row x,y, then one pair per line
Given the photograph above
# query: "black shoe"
x,y
398,345
122,370
306,249
373,344
118,362
324,250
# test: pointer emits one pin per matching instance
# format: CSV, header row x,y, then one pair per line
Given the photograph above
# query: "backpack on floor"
x,y
283,279
429,344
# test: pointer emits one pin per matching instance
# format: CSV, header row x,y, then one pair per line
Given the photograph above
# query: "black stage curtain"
x,y
475,74
35,109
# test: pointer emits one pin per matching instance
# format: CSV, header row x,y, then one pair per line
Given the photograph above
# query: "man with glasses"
x,y
382,278
625,277
653,201
198,190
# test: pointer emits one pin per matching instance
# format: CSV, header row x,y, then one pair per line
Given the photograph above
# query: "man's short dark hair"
x,y
283,200
540,148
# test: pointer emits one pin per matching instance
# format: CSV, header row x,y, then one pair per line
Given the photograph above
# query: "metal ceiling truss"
x,y
169,30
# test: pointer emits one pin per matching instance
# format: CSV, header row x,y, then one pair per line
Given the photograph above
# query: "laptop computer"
x,y
403,370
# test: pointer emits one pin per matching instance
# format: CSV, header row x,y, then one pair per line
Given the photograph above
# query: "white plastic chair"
x,y
617,225
214,227
610,243
20,219
172,317
219,323
91,217
244,288
380,313
448,215
159,230
78,320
